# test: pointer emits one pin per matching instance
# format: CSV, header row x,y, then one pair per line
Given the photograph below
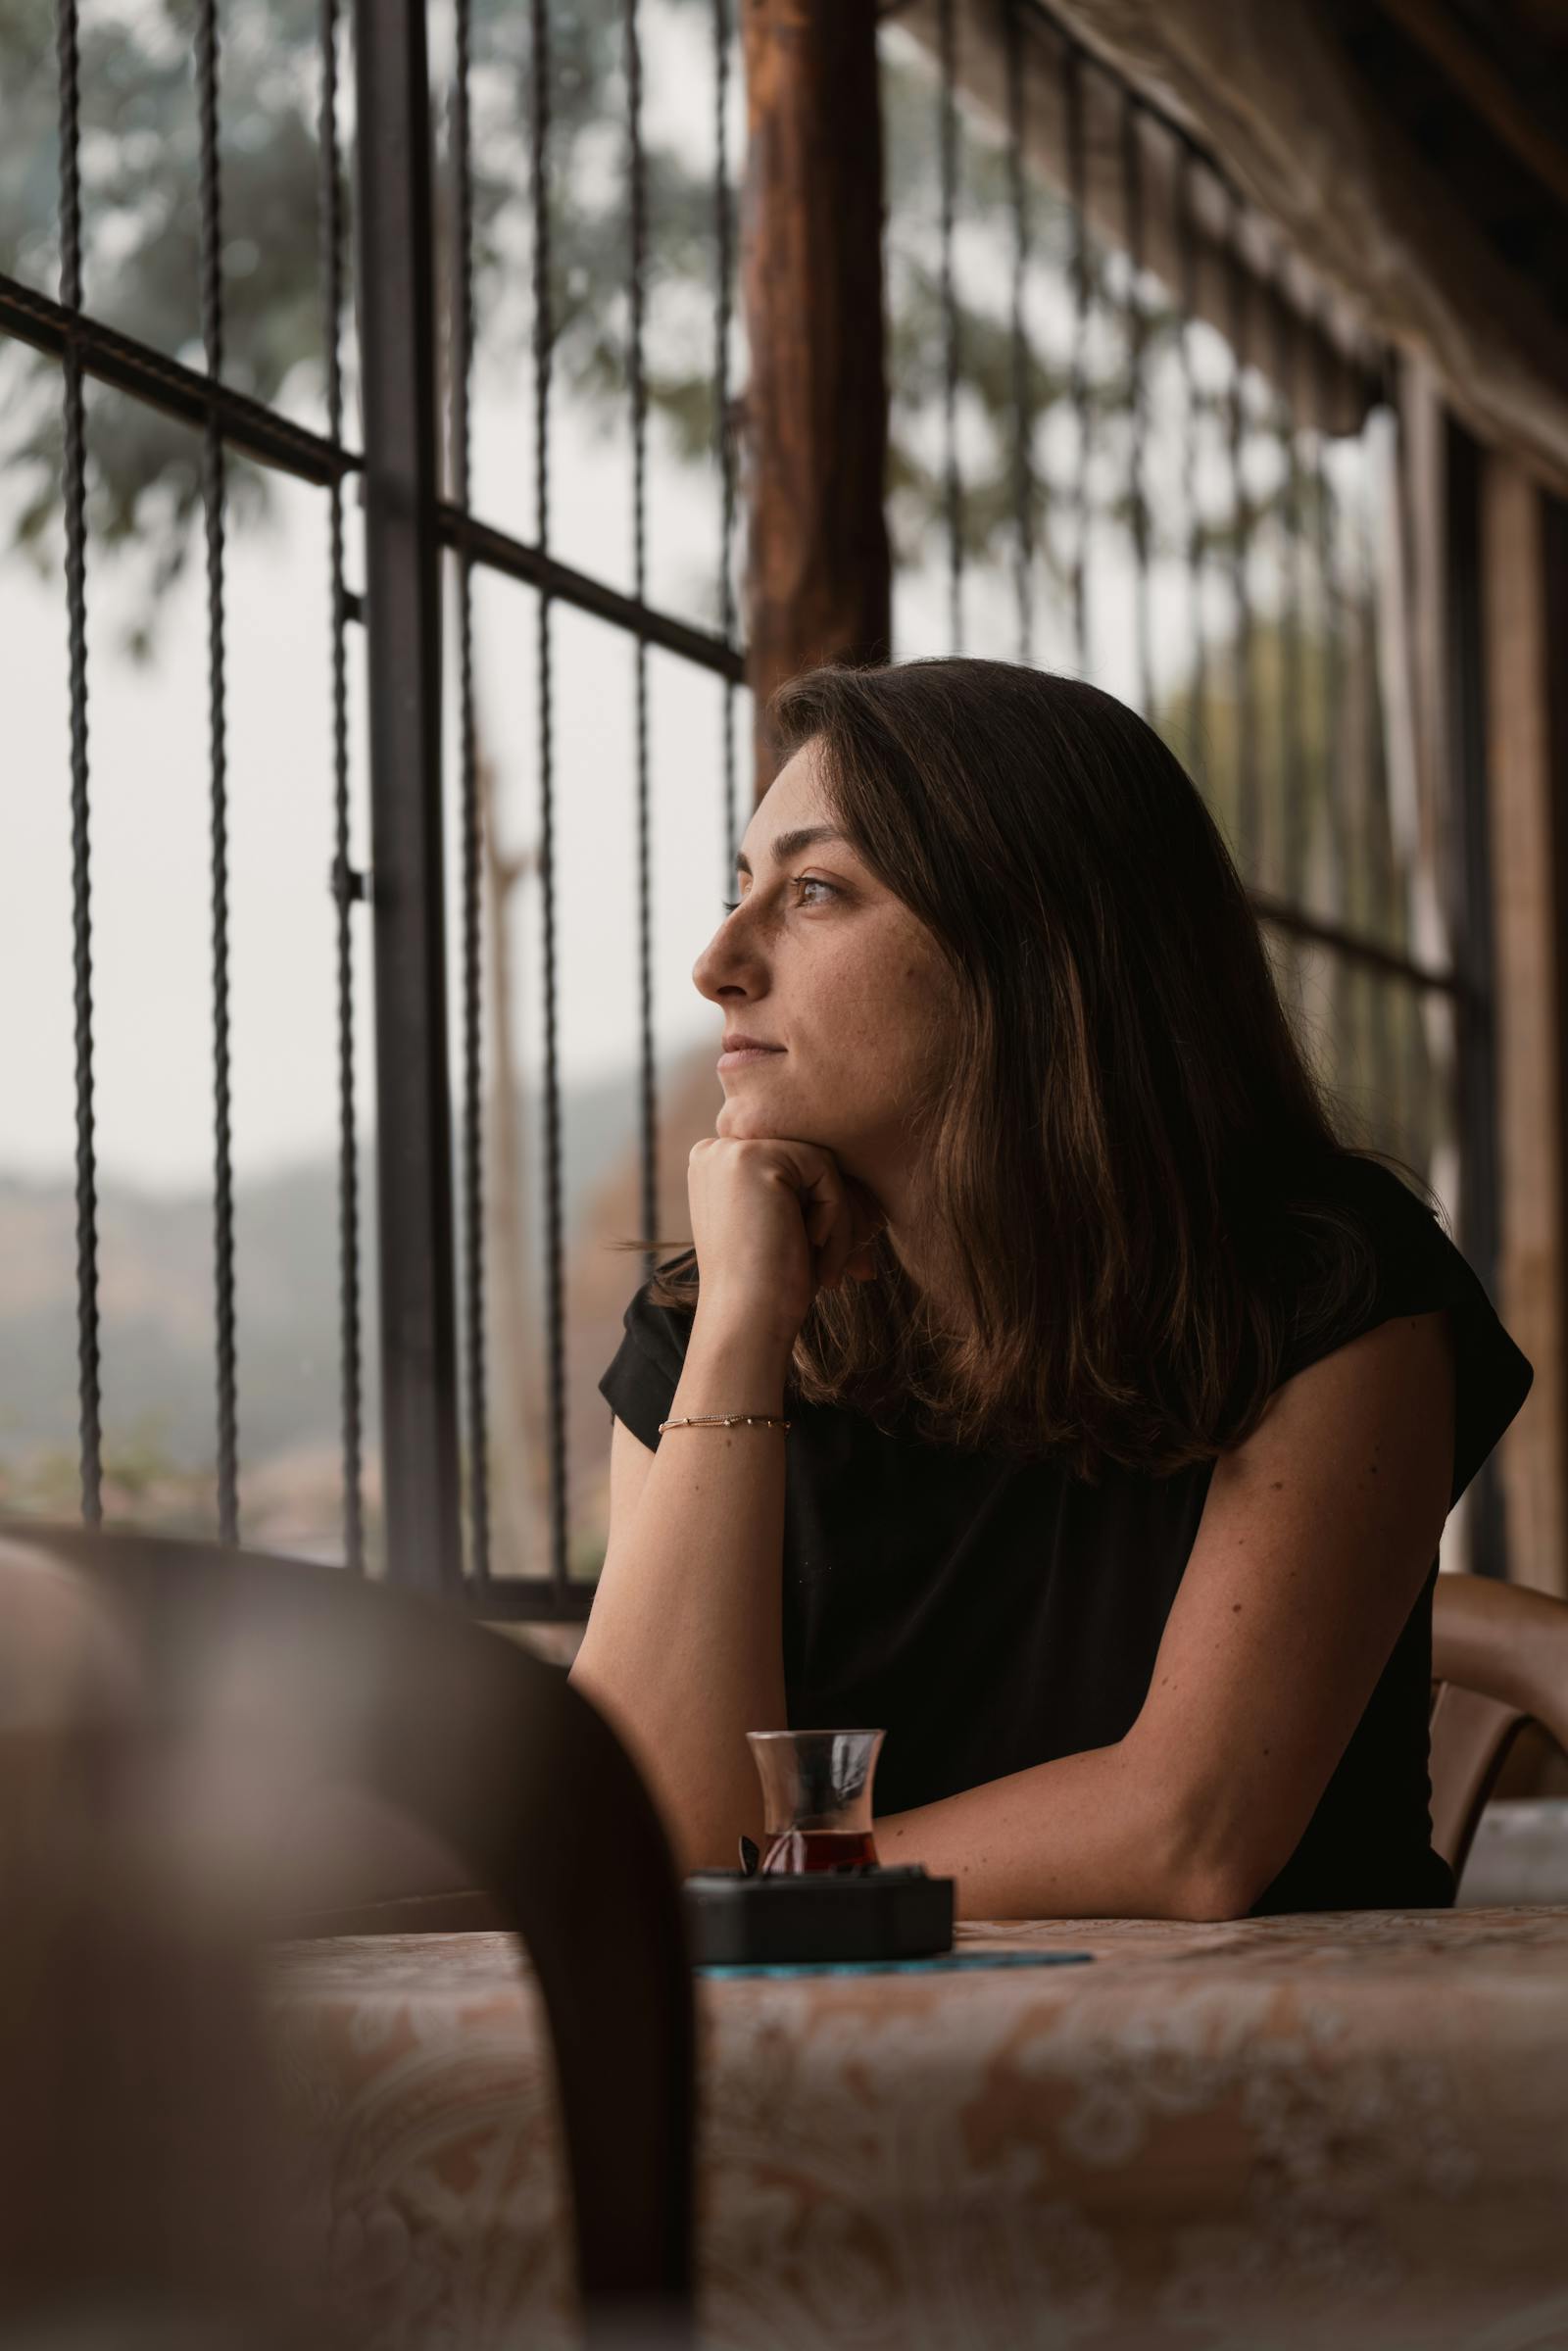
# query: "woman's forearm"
x,y
683,1651
1098,1834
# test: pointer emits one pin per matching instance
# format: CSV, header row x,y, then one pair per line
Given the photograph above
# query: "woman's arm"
x,y
1316,1538
685,1649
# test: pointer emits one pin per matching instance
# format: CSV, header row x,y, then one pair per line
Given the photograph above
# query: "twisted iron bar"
x,y
948,129
351,1407
1291,760
1340,973
1133,199
1023,486
74,493
213,483
1072,92
471,817
724,310
1241,534
637,194
543,352
1187,274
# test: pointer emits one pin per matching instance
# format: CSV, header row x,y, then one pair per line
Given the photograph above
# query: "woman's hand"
x,y
773,1222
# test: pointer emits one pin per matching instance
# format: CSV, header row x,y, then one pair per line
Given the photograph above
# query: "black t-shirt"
x,y
992,1615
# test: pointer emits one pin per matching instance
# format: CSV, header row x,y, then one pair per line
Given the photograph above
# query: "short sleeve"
x,y
1418,1270
639,1384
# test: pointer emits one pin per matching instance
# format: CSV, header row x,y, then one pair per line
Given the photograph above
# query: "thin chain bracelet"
x,y
726,1420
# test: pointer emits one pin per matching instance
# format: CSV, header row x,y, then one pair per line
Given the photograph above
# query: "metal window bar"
x,y
1390,884
947,138
1292,747
75,486
214,490
1470,895
348,886
543,355
115,359
1293,774
1325,550
636,303
723,268
472,818
414,1159
1138,506
1245,796
1187,295
1072,93
1023,483
1375,849
496,550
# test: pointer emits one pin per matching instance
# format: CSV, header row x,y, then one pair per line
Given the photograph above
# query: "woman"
x,y
1125,1403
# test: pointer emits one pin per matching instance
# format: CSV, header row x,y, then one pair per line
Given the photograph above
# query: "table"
x,y
1348,2128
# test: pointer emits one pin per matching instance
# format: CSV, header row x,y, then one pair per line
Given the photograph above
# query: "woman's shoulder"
x,y
641,1380
1401,1241
1376,1249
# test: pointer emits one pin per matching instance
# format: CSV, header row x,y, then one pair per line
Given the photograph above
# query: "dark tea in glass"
x,y
797,1850
816,1801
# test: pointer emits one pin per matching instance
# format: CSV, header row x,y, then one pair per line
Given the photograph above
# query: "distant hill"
x,y
157,1318
157,1329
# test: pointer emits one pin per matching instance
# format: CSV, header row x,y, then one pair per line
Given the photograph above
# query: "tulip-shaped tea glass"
x,y
816,1799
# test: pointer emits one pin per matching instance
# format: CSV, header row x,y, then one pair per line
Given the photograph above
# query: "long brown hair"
x,y
1133,1161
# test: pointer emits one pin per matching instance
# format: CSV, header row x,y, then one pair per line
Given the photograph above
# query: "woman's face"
x,y
820,961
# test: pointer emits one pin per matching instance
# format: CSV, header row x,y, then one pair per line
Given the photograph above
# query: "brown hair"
x,y
1130,1151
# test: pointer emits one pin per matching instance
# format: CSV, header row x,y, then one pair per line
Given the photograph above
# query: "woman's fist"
x,y
776,1221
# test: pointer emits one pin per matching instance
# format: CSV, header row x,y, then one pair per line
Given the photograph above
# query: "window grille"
x,y
1125,443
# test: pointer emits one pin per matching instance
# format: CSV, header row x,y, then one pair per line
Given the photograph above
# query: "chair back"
x,y
1500,1660
304,1670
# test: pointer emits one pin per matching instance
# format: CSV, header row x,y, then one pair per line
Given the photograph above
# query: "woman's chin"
x,y
741,1121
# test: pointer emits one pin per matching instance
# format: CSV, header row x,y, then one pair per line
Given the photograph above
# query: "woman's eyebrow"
x,y
787,843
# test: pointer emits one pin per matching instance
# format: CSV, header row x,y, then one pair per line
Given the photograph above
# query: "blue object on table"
x,y
947,1963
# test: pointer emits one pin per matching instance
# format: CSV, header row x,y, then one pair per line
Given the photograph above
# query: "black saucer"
x,y
733,1917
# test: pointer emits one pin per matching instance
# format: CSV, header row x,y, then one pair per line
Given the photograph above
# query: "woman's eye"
x,y
799,881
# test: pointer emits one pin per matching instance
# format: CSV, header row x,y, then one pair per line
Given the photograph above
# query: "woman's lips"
x,y
748,1053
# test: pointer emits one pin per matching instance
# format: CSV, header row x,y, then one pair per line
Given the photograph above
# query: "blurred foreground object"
x,y
175,1704
138,2139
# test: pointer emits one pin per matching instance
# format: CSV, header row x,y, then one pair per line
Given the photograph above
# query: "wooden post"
x,y
818,579
1521,558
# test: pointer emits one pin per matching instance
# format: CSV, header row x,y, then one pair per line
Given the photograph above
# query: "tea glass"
x,y
816,1799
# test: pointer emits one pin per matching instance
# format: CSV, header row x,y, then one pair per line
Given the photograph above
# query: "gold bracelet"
x,y
726,1420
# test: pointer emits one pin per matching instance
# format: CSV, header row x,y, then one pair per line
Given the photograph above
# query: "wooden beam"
x,y
1529,803
1440,33
818,579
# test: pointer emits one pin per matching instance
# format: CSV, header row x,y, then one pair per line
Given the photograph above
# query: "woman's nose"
x,y
716,964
